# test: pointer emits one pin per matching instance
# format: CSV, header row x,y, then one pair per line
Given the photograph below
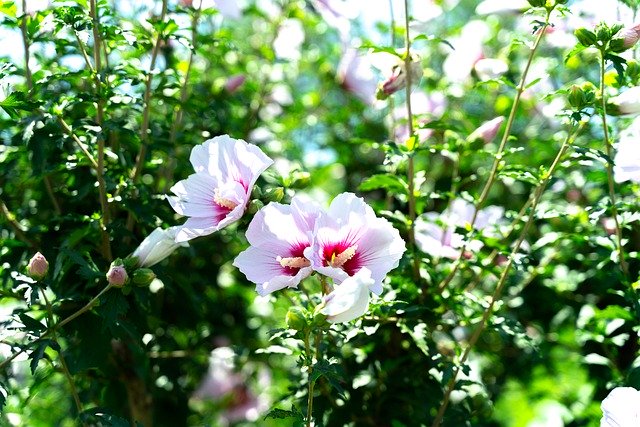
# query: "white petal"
x,y
350,299
621,408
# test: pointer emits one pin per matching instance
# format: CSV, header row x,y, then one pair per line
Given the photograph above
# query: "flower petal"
x,y
350,299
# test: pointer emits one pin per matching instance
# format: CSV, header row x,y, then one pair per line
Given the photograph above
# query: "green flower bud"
x,y
274,194
603,33
254,206
296,319
585,37
633,70
143,277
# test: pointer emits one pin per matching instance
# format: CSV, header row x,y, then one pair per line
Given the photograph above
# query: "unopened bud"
x,y
398,78
586,37
38,267
603,33
582,96
274,194
234,82
633,70
296,319
487,130
254,206
626,39
117,275
143,277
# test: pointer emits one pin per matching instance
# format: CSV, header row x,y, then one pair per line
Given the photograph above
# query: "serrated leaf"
x,y
329,370
281,414
17,101
31,323
37,354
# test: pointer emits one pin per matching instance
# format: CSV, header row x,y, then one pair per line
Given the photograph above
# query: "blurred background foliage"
x,y
288,75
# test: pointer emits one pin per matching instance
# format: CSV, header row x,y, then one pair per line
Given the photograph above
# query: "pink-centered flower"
x,y
439,238
349,237
217,194
278,235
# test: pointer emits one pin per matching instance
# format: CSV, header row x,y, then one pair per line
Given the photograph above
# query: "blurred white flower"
x,y
355,74
621,408
490,68
467,51
488,130
289,40
627,158
490,7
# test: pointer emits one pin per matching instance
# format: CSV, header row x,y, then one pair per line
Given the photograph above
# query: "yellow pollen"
x,y
338,260
293,262
221,201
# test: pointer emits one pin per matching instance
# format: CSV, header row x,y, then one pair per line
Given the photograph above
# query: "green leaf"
x,y
387,181
17,101
8,8
39,352
30,323
329,370
280,414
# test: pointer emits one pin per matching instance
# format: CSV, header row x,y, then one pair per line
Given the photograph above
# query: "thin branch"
x,y
15,225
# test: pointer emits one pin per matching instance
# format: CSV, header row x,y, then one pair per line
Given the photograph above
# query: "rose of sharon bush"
x,y
217,194
349,237
278,235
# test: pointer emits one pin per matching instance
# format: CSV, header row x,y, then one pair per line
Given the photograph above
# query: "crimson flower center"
x,y
338,259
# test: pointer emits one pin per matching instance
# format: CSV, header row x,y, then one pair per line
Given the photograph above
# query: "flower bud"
x,y
38,267
628,102
296,319
586,37
117,275
157,246
633,70
254,206
398,78
603,33
487,130
143,277
626,39
234,82
274,194
582,96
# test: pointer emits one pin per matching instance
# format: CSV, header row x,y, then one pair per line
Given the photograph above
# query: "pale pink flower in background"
x,y
349,299
490,68
234,82
349,237
627,159
217,194
38,267
441,239
117,275
157,246
468,49
621,408
278,235
229,9
355,74
224,383
424,109
487,131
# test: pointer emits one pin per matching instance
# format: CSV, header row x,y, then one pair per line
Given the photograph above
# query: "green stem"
x,y
505,273
612,193
410,161
500,153
309,357
63,363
